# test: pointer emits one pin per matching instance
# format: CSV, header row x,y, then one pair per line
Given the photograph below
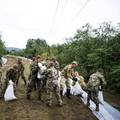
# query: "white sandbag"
x,y
9,93
42,70
39,76
100,97
57,82
76,89
4,60
42,67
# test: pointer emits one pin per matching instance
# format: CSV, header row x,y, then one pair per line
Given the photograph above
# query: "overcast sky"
x,y
24,19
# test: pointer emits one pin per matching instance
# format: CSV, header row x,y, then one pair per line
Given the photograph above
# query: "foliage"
x,y
35,47
93,49
2,47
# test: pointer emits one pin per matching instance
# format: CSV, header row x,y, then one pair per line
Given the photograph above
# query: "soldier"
x,y
80,80
40,76
32,77
1,61
45,63
0,83
68,73
20,71
53,84
56,63
95,81
11,74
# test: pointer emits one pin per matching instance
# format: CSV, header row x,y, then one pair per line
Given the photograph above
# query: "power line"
x,y
85,4
64,7
55,14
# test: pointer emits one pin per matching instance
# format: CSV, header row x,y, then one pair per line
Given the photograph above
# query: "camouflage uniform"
x,y
32,83
67,75
53,85
20,71
0,83
11,74
82,82
96,80
56,63
41,78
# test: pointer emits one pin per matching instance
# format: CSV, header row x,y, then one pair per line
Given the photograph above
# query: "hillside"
x,y
13,49
23,109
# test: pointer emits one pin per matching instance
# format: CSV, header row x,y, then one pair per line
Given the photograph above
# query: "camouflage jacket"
x,y
52,73
34,69
96,80
67,71
57,65
20,67
11,74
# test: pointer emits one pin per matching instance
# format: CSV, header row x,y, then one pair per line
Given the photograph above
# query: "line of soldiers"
x,y
45,74
42,76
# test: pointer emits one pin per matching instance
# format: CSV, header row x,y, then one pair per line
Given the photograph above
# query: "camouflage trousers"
x,y
22,76
93,95
35,84
53,88
65,83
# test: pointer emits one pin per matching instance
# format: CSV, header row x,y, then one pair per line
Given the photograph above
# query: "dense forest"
x,y
92,47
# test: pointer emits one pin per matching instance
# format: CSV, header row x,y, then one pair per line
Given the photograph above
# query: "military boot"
x,y
49,104
28,97
60,104
97,108
61,92
88,102
39,96
68,93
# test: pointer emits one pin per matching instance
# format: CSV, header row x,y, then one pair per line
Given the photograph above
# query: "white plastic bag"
x,y
39,76
100,97
9,93
42,69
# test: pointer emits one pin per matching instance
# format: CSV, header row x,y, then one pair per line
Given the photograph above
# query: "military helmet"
x,y
15,66
33,58
75,62
19,59
100,70
51,63
53,59
38,57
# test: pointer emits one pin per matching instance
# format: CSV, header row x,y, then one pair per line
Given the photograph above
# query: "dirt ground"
x,y
23,109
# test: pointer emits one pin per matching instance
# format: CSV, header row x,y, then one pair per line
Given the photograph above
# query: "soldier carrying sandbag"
x,y
93,86
53,85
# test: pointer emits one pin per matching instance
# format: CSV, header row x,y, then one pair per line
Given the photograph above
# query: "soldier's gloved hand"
x,y
100,88
74,83
74,79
